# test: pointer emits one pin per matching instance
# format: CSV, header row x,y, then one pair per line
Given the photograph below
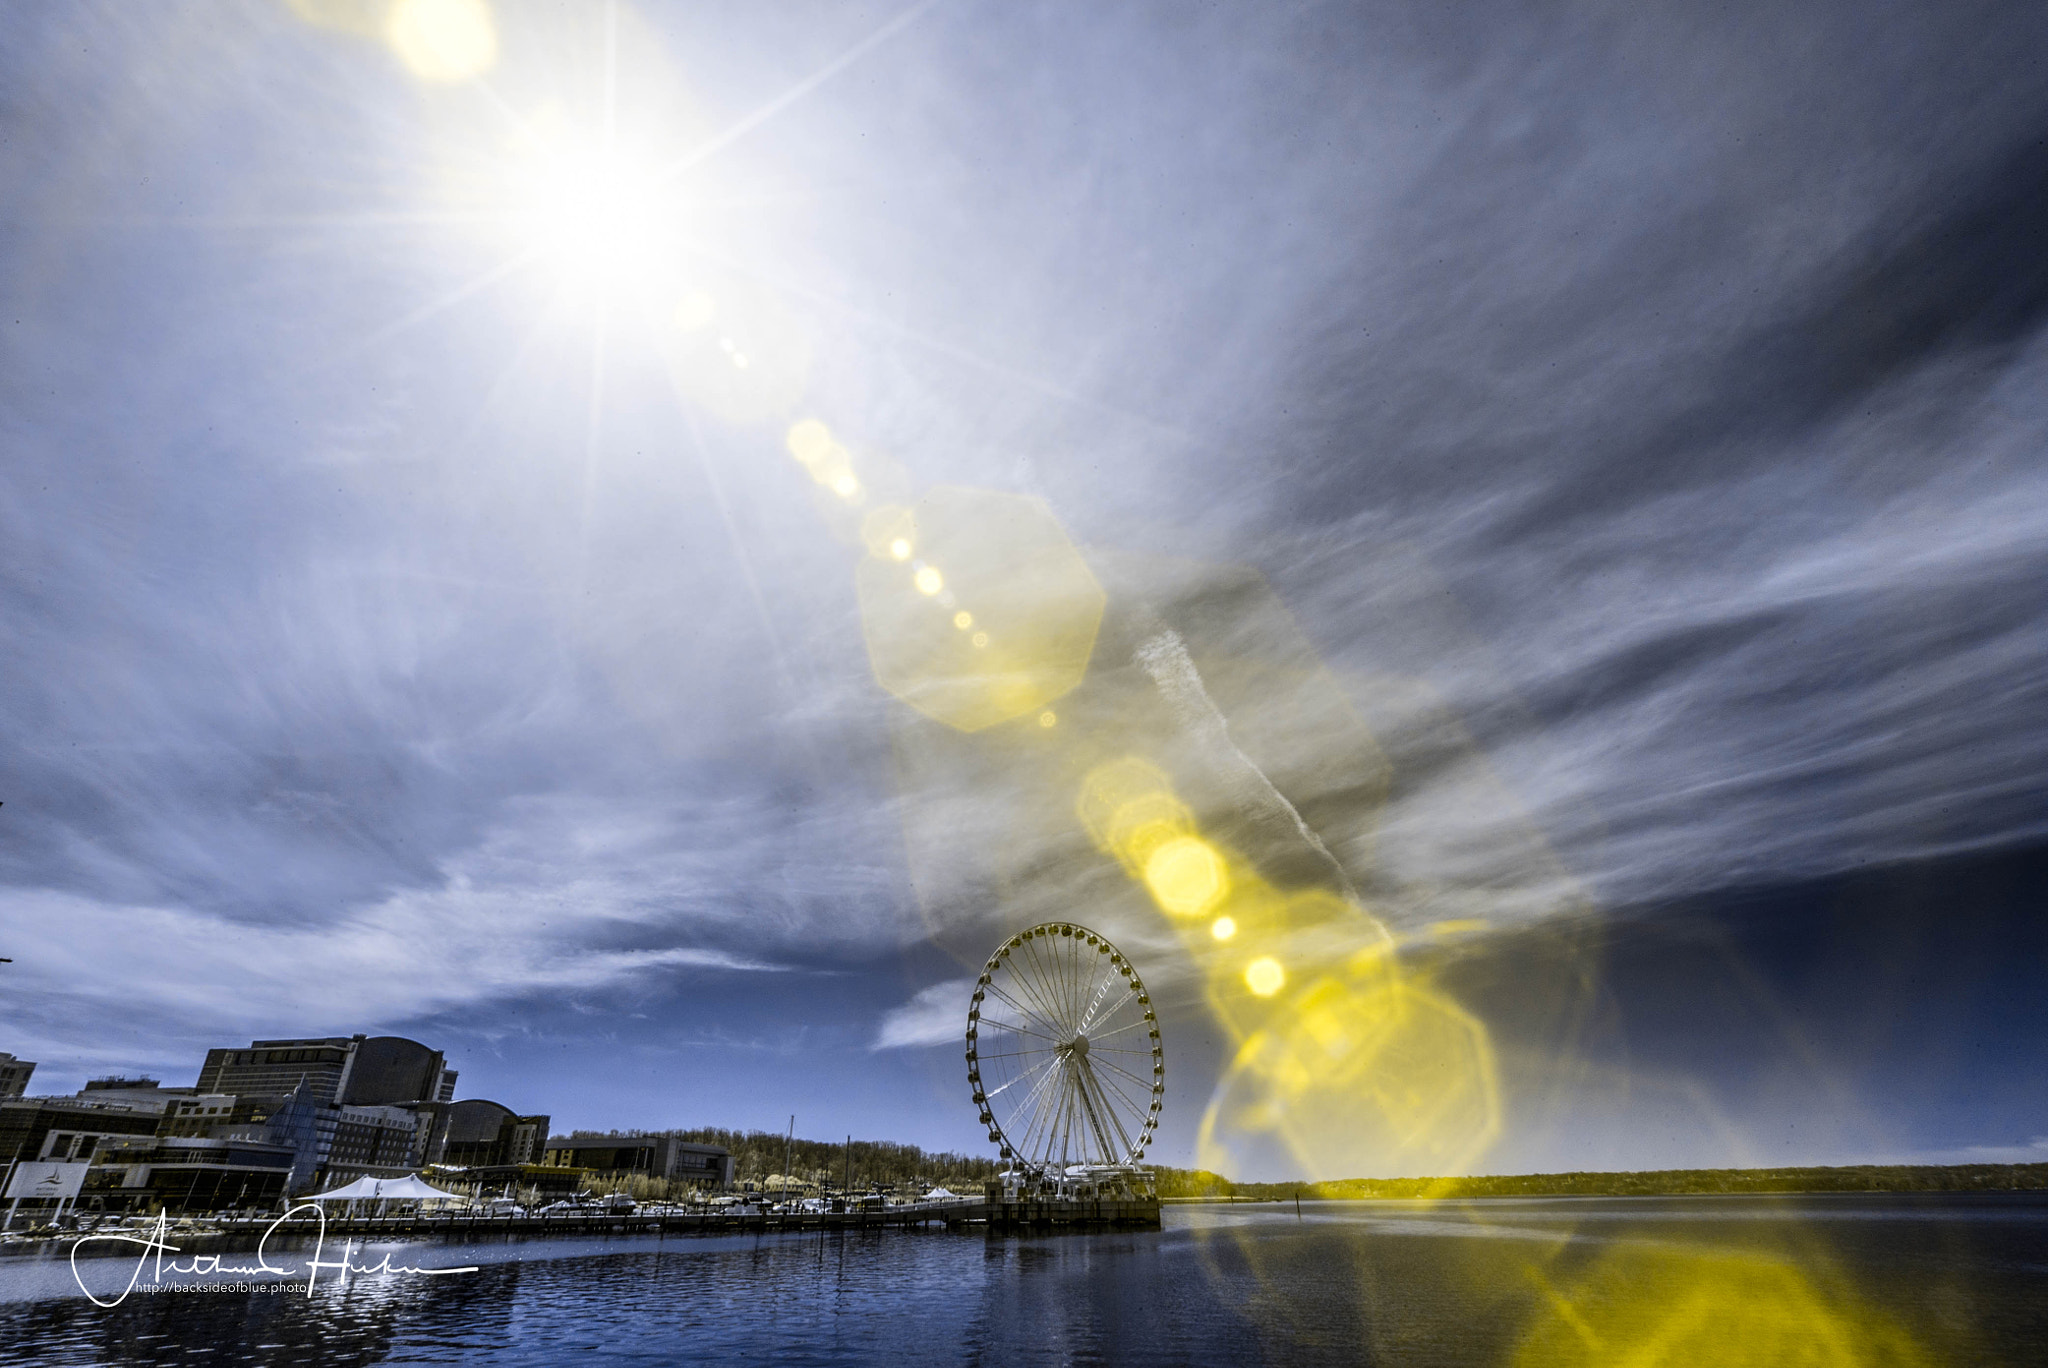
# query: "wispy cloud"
x,y
936,1016
2034,1151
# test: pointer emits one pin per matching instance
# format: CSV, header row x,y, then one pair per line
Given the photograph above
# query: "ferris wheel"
x,y
1063,1051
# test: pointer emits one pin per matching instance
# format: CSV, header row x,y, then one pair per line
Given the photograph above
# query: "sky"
x,y
1590,458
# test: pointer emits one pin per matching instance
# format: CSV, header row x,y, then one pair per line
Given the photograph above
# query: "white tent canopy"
x,y
406,1189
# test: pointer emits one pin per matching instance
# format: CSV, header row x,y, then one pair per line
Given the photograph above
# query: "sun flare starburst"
x,y
590,209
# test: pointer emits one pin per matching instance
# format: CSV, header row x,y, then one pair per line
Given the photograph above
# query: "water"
x,y
1827,1281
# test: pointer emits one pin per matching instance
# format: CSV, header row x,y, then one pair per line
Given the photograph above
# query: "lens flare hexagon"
x,y
1004,562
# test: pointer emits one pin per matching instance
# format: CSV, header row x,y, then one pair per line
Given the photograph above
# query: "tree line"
x,y
1658,1183
830,1163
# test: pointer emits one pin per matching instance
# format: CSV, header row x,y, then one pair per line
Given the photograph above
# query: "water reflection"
x,y
1878,1281
1649,1307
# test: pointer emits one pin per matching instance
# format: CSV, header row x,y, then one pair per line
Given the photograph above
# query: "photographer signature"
x,y
154,1243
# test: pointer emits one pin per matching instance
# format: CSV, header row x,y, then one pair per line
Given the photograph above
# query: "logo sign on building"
x,y
40,1181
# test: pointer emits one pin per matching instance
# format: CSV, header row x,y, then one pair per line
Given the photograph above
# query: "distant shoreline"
x,y
1183,1185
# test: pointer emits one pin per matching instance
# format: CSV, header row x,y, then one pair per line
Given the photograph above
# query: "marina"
x,y
1130,1211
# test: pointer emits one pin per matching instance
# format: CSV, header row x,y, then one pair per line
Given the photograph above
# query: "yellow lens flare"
x,y
829,463
1035,610
443,40
1111,788
1365,1065
735,349
1048,718
889,533
1140,829
1650,1306
1357,1072
1186,877
810,441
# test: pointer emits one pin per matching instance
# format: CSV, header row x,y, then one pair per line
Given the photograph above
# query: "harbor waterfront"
x,y
229,1233
1943,1279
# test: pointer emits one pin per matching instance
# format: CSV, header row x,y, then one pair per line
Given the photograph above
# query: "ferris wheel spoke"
x,y
1038,986
1041,982
1118,1068
1103,1109
1091,1113
1069,1095
1075,988
1128,1074
1011,1083
1109,1109
1045,1123
1034,1101
1093,1038
1029,1013
1070,1115
1044,1103
1129,993
1085,975
1110,1012
1027,1053
1129,1101
1101,990
1064,966
1070,972
1055,982
1075,972
1019,1029
1037,1045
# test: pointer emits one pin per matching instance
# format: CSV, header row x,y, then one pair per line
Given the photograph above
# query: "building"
x,y
329,1145
68,1129
281,1117
382,1141
308,1127
186,1173
476,1133
657,1156
144,1093
14,1075
206,1115
370,1071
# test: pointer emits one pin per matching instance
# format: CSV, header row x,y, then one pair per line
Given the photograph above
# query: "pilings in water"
x,y
1037,1213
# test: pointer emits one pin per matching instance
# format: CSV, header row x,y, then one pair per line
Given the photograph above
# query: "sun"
x,y
590,209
